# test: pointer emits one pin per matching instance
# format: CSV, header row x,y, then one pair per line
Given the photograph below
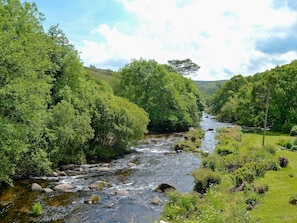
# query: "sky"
x,y
224,37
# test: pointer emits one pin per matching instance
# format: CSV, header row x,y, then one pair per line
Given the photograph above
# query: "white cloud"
x,y
217,35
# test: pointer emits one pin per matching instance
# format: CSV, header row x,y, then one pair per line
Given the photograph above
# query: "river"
x,y
136,176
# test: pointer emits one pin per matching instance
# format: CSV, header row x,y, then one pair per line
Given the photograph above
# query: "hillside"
x,y
101,74
209,87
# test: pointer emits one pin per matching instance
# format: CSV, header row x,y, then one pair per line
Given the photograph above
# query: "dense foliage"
x,y
243,99
172,101
51,111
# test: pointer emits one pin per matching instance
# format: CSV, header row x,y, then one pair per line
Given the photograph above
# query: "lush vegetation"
x,y
172,101
240,182
55,111
243,99
51,110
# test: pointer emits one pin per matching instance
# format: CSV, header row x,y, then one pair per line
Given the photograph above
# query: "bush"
x,y
211,162
37,209
224,150
270,149
241,175
293,200
294,148
251,201
262,189
293,131
285,143
179,206
286,128
283,161
204,179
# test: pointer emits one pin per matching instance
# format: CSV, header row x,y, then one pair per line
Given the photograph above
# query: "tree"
x,y
184,67
24,89
170,99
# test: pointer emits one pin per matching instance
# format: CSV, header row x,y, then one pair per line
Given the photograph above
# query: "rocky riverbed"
x,y
124,190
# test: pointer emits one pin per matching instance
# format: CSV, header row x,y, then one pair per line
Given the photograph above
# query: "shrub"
x,y
270,149
251,201
224,150
243,174
211,162
37,209
294,148
287,127
283,161
285,143
293,131
179,206
262,189
232,162
293,200
204,179
272,164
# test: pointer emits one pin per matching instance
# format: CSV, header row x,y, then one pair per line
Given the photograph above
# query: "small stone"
x,y
48,190
93,200
103,169
121,192
157,201
99,184
63,173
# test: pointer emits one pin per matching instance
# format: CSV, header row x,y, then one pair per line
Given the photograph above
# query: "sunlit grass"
x,y
275,206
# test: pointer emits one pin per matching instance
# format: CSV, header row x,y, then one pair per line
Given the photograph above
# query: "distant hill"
x,y
206,87
101,74
209,87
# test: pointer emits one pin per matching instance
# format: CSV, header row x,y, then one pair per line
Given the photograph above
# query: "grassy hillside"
x,y
101,74
209,87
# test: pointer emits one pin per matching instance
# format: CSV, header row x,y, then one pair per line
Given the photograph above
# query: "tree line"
x,y
243,99
53,112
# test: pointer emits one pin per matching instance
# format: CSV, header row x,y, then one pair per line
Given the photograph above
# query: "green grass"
x,y
275,206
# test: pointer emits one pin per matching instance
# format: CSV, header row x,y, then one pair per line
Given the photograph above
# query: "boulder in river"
x,y
99,185
157,201
121,192
93,200
63,187
36,187
162,188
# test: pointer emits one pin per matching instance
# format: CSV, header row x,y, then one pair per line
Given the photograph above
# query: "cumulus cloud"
x,y
225,37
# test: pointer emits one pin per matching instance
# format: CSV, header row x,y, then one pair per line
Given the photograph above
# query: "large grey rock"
x,y
36,187
162,188
63,187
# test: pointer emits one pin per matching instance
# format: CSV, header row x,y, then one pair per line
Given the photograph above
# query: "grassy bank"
x,y
240,182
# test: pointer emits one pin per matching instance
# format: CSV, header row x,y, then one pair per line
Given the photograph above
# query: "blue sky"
x,y
225,38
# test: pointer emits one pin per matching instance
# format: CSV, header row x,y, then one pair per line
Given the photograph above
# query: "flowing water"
x,y
132,181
